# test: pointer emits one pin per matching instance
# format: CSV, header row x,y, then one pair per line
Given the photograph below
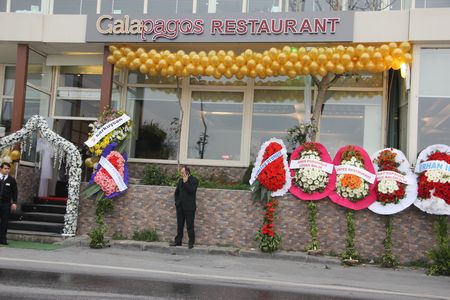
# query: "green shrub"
x,y
146,235
154,175
118,236
440,256
247,175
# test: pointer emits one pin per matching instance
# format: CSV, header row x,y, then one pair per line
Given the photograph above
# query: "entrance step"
x,y
51,200
34,236
42,217
45,208
36,226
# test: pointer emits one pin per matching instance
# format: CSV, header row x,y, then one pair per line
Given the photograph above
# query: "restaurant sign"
x,y
275,27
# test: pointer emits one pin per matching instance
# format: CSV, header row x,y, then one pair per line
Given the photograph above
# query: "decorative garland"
x,y
109,137
388,259
289,61
433,169
64,150
356,180
397,185
350,256
270,177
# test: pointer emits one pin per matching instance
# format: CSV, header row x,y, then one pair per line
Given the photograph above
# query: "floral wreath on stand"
x,y
313,178
107,141
356,180
433,169
270,178
396,188
355,190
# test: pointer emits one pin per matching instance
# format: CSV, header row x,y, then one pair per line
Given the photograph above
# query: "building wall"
x,y
230,218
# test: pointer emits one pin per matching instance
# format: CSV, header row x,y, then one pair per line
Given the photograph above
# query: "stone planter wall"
x,y
230,218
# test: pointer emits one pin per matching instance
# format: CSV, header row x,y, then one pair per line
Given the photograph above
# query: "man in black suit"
x,y
185,195
8,199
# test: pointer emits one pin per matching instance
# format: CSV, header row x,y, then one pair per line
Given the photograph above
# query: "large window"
x,y
274,112
26,6
336,5
131,7
2,5
83,7
434,98
215,125
156,116
169,7
265,6
7,97
78,92
432,3
352,118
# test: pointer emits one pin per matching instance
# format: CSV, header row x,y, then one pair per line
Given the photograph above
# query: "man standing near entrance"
x,y
185,203
8,199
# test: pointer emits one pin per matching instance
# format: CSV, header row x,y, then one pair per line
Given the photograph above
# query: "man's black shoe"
x,y
191,246
174,244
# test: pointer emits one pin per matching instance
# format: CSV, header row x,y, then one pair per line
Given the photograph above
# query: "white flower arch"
x,y
64,148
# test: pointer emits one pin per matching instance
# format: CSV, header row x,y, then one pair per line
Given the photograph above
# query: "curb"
x,y
163,247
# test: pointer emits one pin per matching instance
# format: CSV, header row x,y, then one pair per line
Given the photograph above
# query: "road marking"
x,y
229,278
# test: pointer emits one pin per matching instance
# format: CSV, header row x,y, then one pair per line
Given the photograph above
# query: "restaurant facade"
x,y
53,62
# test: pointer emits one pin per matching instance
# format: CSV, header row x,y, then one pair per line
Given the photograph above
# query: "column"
x,y
20,87
106,83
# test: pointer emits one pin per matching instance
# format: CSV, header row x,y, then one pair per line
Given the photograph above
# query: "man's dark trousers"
x,y
187,216
5,211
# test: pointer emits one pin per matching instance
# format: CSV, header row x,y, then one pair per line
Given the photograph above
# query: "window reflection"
x,y
75,7
227,6
169,7
156,115
432,3
215,126
78,92
274,112
2,5
264,6
131,7
351,118
26,6
434,121
358,5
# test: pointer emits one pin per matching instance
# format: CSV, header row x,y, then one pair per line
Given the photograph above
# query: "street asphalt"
x,y
202,273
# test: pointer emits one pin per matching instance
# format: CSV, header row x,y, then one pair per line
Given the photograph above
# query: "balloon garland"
x,y
288,61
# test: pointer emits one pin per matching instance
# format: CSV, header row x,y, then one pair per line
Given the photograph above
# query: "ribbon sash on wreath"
x,y
364,174
107,128
115,175
271,159
311,163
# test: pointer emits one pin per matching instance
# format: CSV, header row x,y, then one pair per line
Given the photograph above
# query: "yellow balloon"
x,y
298,67
212,53
15,155
335,57
143,69
377,56
397,52
117,54
359,66
340,49
273,52
360,49
266,60
248,54
153,72
163,72
388,60
228,74
170,71
190,68
314,66
149,63
202,54
184,73
392,46
195,59
210,70
139,51
293,57
305,70
329,52
292,74
244,70
346,58
112,48
111,59
287,49
306,60
282,58
180,54
349,67
269,72
282,71
260,68
364,58
275,65
178,66
407,58
144,57
215,61
379,67
162,63
221,68
234,69
131,55
228,61
289,65
396,65
251,63
350,51
231,53
252,74
204,61
136,62
329,66
323,72
185,59
322,58
370,66
240,61
384,49
88,162
339,69
405,46
313,52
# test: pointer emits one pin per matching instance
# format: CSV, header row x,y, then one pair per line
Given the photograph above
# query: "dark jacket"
x,y
8,193
185,193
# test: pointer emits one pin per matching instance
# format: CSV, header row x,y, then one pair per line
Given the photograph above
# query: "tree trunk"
x,y
322,87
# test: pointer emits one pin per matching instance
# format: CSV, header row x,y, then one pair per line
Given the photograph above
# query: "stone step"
x,y
36,226
51,200
42,217
34,236
45,208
